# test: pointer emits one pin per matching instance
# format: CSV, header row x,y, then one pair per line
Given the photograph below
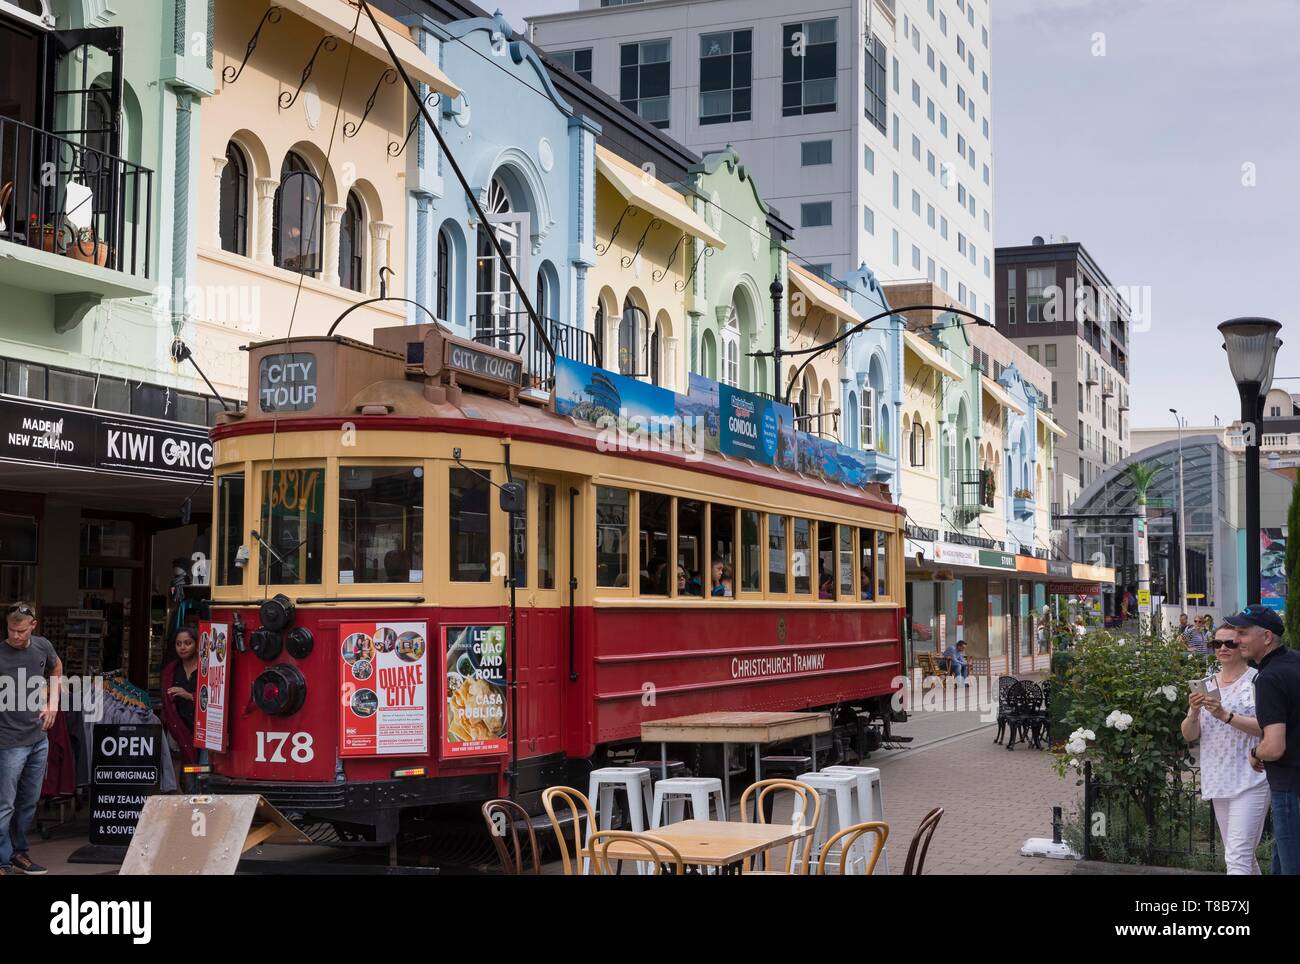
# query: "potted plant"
x,y
1023,493
88,248
43,236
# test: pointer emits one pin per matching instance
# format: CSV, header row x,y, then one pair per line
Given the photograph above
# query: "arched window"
x,y
352,244
867,437
731,352
497,303
916,443
444,275
542,302
632,331
299,223
234,202
600,335
656,346
708,355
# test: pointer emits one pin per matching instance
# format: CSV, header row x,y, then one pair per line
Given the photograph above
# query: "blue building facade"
x,y
871,378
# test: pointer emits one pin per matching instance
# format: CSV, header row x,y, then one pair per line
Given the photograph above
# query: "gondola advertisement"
x,y
474,670
213,685
384,674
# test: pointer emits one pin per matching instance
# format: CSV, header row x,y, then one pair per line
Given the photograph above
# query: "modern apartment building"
x,y
867,121
1057,304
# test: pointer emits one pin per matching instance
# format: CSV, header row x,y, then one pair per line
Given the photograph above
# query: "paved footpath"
x,y
993,799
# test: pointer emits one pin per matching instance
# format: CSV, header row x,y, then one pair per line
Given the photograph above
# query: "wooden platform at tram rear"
x,y
735,727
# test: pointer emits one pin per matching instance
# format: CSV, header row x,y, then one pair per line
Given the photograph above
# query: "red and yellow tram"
x,y
361,591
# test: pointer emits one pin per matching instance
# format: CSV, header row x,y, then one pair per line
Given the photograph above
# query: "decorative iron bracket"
x,y
330,43
626,261
681,285
231,73
395,149
350,129
617,226
658,275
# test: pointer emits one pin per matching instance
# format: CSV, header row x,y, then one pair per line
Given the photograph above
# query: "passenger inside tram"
x,y
687,584
722,580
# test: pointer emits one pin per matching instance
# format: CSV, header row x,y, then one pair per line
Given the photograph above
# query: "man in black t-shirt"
x,y
1277,708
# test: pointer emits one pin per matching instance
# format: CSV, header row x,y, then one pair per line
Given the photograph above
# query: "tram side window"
x,y
846,560
776,545
751,553
519,537
381,524
656,554
690,547
293,526
882,565
612,511
469,526
801,556
867,551
545,536
230,531
825,560
722,533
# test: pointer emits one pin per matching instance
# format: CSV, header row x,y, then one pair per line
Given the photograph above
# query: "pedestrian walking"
x,y
1192,636
1222,717
1277,709
25,658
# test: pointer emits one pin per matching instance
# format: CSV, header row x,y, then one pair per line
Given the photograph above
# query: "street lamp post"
x,y
1252,344
1182,520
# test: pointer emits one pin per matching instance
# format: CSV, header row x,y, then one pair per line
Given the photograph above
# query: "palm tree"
x,y
1140,476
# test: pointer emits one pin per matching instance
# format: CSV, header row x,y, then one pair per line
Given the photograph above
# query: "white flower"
x,y
1171,692
1089,735
1119,720
1076,746
1075,764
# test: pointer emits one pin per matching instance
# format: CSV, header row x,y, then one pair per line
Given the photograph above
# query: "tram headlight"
x,y
277,612
265,643
280,690
299,642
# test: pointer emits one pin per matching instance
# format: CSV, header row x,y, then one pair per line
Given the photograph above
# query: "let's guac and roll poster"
x,y
474,692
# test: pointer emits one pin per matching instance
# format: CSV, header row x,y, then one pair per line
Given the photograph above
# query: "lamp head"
x,y
1251,344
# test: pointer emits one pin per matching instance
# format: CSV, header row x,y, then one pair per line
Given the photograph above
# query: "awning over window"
x,y
337,17
1050,425
928,354
651,195
822,295
999,395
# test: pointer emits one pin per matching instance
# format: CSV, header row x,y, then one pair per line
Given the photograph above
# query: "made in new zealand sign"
x,y
49,434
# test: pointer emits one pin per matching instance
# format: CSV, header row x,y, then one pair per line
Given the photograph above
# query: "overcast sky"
x,y
1137,128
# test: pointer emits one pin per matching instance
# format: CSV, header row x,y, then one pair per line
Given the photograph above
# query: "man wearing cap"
x,y
1277,709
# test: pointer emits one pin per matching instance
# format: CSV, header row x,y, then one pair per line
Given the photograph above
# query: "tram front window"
x,y
722,534
690,543
655,555
381,523
801,557
825,560
846,560
612,510
776,539
751,559
292,527
882,565
230,528
469,527
867,550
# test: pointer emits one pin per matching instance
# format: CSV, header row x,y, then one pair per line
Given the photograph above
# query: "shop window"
x,y
655,511
25,380
191,409
381,524
776,545
293,526
112,395
469,529
825,560
71,388
846,560
152,401
229,528
867,551
722,536
612,511
801,557
751,552
545,536
690,544
18,541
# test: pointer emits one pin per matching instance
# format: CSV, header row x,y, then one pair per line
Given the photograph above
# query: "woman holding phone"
x,y
1222,717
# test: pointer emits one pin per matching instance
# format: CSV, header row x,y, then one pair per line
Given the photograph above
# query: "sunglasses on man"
x,y
20,609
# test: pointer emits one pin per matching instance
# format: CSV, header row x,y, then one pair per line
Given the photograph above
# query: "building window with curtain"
x,y
808,62
299,223
726,76
352,244
643,80
234,202
867,423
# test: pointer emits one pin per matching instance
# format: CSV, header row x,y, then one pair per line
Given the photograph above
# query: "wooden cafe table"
x,y
756,728
713,843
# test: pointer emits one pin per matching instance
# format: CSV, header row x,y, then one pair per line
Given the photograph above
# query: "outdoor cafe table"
x,y
713,843
755,728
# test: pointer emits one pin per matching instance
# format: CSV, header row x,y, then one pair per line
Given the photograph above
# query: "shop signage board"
x,y
1059,570
1074,588
384,674
213,686
126,769
474,668
956,555
50,434
992,559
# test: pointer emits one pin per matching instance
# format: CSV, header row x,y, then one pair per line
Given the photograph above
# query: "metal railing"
x,y
512,331
50,185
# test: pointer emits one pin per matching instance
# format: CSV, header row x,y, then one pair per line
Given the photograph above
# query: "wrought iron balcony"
x,y
512,331
66,198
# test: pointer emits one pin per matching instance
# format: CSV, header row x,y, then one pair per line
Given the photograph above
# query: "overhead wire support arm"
x,y
504,260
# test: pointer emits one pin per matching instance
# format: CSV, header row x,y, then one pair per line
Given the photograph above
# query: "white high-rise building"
x,y
866,123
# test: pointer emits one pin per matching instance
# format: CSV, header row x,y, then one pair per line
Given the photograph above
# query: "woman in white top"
x,y
1225,724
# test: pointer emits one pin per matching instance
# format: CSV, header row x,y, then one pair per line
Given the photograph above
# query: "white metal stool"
x,y
870,799
634,781
838,791
670,798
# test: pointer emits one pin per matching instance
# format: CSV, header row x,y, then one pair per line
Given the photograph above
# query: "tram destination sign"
x,y
54,435
287,382
459,360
